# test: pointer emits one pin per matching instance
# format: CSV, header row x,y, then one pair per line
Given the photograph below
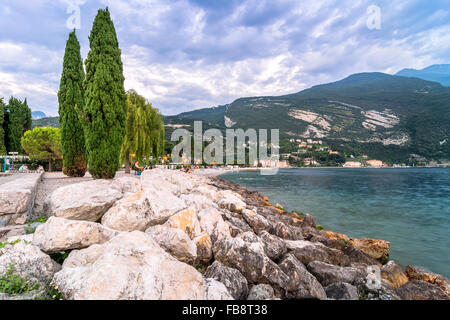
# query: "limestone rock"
x,y
185,220
393,274
84,201
129,214
302,283
216,290
163,205
233,280
342,291
307,252
231,201
274,247
28,261
211,221
328,273
261,292
421,290
175,242
59,234
308,221
377,249
368,291
131,266
204,247
256,221
358,256
415,273
129,184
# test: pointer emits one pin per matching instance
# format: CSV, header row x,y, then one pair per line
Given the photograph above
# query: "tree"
x,y
43,144
144,130
18,121
2,131
71,101
105,109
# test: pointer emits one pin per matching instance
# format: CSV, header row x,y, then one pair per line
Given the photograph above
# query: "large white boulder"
x,y
129,214
175,242
187,221
84,201
231,201
130,266
216,290
59,234
211,221
28,261
163,205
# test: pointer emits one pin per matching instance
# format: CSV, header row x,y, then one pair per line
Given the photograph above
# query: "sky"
x,y
188,54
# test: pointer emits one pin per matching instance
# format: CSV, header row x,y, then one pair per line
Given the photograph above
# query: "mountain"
x,y
437,73
46,122
38,115
391,118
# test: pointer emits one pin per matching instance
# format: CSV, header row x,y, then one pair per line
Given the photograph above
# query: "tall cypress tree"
x,y
105,106
71,101
2,131
18,122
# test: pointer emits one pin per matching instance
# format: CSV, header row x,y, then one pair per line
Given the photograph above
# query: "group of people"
x,y
24,169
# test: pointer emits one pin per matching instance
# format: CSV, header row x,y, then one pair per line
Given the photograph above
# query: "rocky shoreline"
x,y
172,235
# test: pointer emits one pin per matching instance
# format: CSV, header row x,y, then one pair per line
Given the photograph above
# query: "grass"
x,y
29,229
11,283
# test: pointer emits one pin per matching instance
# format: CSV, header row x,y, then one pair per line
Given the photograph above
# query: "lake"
x,y
409,207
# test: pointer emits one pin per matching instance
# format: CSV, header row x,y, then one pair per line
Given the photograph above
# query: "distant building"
x,y
309,141
375,163
309,146
333,152
352,164
273,163
365,156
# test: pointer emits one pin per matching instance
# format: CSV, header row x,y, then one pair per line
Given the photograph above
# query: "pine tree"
x,y
71,101
105,109
143,130
18,121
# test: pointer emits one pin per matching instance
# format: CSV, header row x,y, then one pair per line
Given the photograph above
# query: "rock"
x,y
284,231
28,261
33,295
237,226
249,258
342,291
185,220
131,266
84,201
59,234
204,247
328,273
17,199
336,236
129,184
375,248
129,214
256,221
369,290
80,258
302,284
274,247
27,238
197,201
261,292
415,273
163,205
207,191
233,280
307,252
308,221
421,290
357,256
11,231
393,274
231,201
175,242
216,290
211,221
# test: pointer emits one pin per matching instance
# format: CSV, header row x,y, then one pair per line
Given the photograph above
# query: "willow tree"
x,y
105,108
144,131
71,101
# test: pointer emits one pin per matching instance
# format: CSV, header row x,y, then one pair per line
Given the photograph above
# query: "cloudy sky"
x,y
188,54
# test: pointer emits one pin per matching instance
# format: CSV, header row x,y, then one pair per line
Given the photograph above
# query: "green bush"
x,y
12,283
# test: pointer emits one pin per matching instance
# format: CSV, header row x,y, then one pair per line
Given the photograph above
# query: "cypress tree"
x,y
71,101
105,106
2,131
18,117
